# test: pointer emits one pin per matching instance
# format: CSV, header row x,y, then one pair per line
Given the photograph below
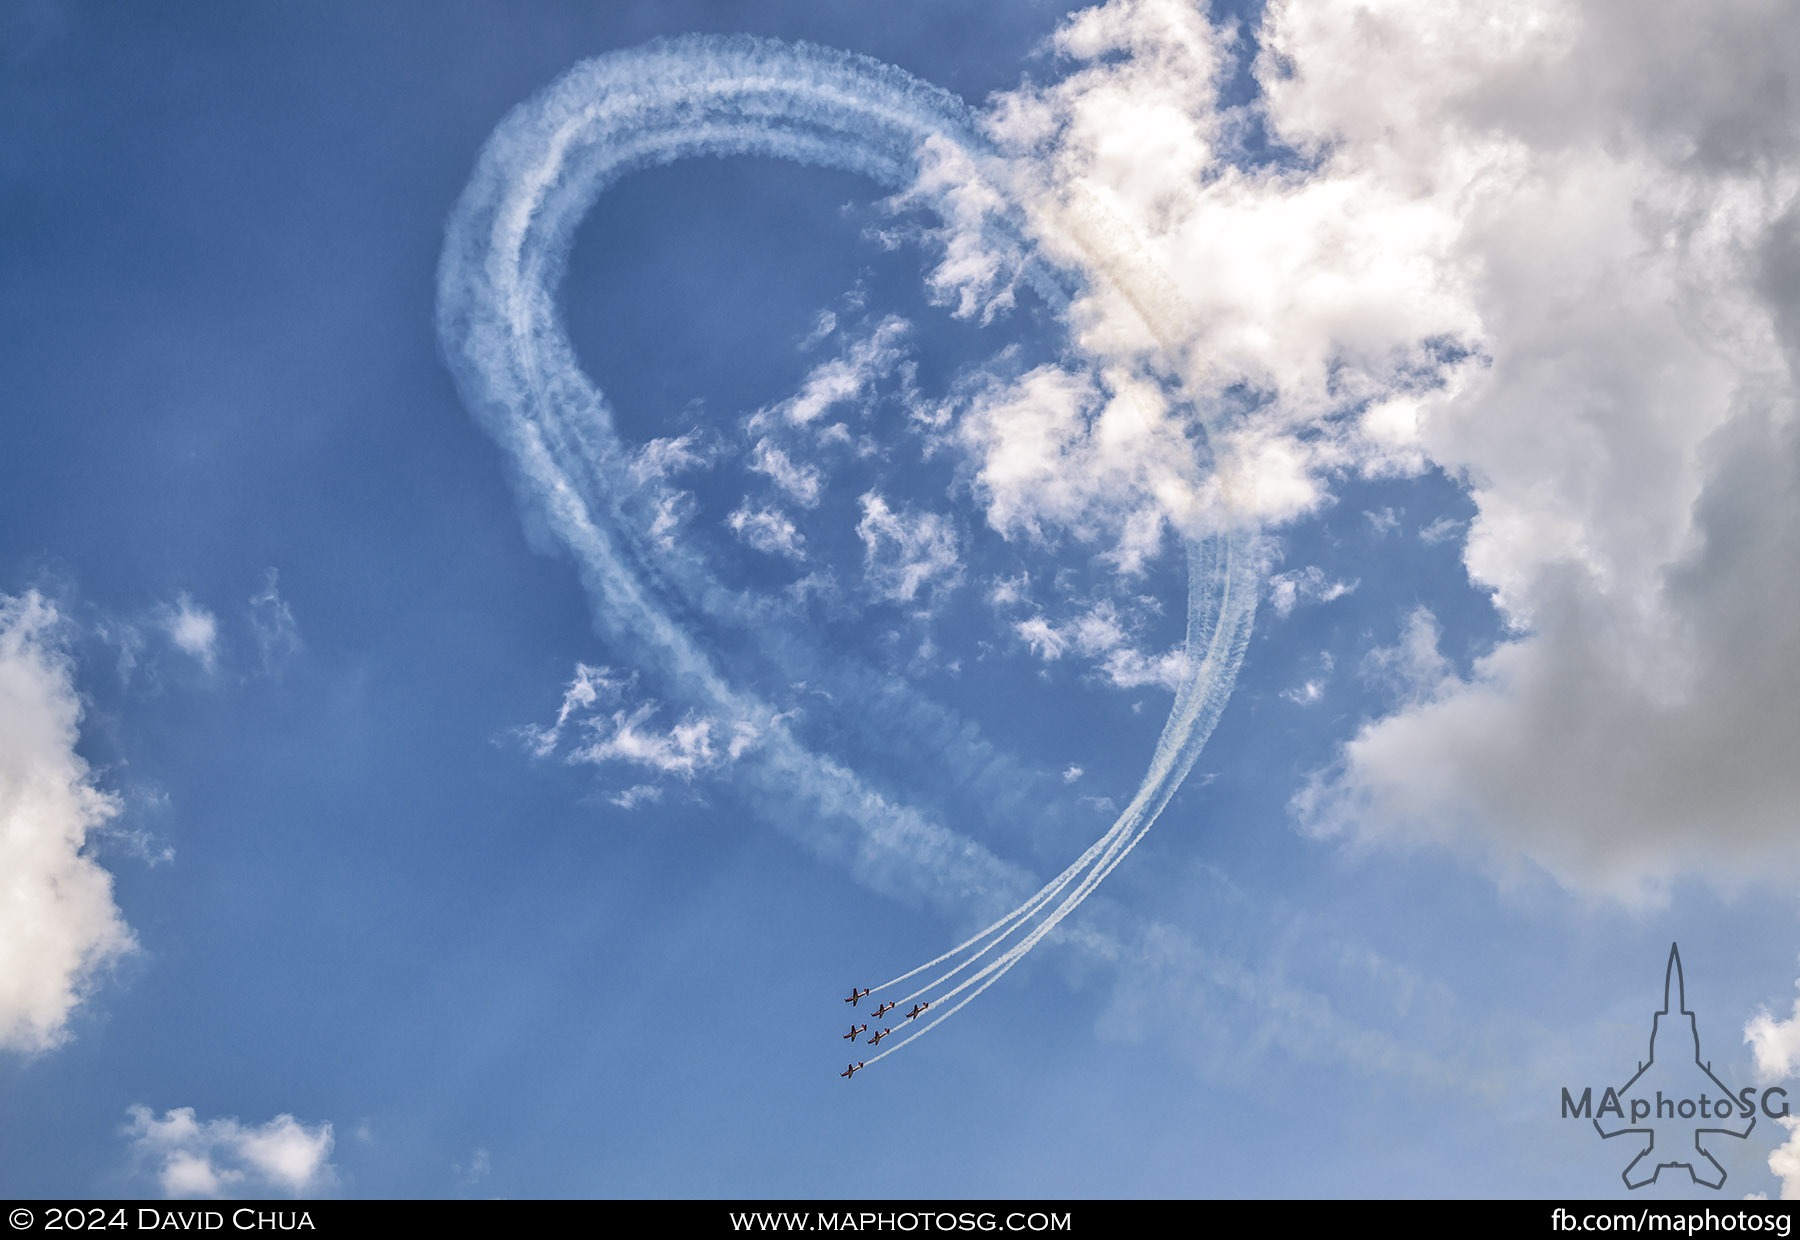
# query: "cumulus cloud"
x,y
1785,1160
226,1158
1556,255
1775,1043
1098,457
1631,445
1309,318
59,926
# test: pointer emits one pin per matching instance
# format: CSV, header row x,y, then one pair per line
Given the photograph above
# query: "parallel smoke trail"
x,y
504,257
1196,712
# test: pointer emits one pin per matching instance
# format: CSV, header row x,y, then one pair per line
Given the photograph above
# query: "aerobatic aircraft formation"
x,y
886,1006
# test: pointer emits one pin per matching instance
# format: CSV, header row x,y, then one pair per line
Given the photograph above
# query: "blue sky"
x,y
496,636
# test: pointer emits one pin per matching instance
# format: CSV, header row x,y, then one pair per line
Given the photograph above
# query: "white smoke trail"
x,y
505,252
1190,724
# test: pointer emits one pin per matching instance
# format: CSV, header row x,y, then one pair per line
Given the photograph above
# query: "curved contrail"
x,y
505,252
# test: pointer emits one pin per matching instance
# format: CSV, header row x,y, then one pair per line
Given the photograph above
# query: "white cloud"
x,y
1784,1161
193,629
477,1169
1104,635
1306,693
223,1157
847,379
822,328
1556,254
1323,301
1383,521
1441,530
906,553
1414,668
672,508
1101,458
127,637
614,730
636,795
803,483
768,531
1311,691
1775,1043
1008,591
684,749
583,693
972,276
59,926
1304,585
664,458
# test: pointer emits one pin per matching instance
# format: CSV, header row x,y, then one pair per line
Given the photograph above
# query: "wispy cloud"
x,y
1105,635
636,795
1382,521
1441,530
193,629
1305,585
610,728
802,483
847,379
666,457
769,531
684,748
1413,668
272,622
906,553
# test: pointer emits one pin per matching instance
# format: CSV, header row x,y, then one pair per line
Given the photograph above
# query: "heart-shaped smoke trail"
x,y
504,256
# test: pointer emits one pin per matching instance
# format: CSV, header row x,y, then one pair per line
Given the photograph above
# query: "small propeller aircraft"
x,y
884,1009
854,1030
875,1038
917,1008
849,1072
856,996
